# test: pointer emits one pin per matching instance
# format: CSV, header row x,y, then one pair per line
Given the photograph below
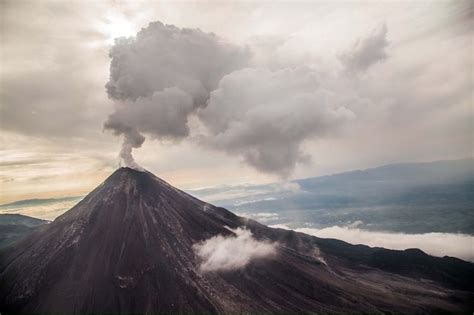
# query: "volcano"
x,y
131,246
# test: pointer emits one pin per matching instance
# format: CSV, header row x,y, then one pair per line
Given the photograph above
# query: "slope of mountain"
x,y
128,247
14,227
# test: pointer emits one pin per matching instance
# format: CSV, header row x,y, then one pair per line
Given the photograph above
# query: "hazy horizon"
x,y
383,213
197,188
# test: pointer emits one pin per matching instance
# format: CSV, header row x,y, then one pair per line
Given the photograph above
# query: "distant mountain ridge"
x,y
434,170
410,198
14,227
444,170
37,201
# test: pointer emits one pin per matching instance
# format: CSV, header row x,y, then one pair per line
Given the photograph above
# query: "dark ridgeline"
x,y
127,248
14,227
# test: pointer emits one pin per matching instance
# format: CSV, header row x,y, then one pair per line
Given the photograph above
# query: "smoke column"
x,y
162,76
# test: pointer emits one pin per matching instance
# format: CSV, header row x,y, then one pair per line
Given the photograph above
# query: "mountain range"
x,y
408,198
14,227
136,244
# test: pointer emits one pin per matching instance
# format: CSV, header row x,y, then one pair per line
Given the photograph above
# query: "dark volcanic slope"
x,y
127,248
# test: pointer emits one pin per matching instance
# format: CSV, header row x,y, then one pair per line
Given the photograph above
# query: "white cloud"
x,y
288,186
436,244
260,216
280,226
220,194
231,252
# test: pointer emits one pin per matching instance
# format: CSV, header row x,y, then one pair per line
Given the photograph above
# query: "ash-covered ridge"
x,y
130,247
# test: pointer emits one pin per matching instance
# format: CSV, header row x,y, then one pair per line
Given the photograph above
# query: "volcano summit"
x,y
136,244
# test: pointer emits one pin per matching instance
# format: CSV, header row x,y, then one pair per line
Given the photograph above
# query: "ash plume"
x,y
165,75
264,116
131,139
160,77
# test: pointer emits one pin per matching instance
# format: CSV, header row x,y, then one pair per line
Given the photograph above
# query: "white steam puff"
x,y
160,77
436,244
221,253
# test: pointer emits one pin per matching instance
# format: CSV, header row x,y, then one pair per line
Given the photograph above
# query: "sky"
x,y
279,90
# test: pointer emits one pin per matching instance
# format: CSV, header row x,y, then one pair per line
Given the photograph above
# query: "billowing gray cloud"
x,y
366,51
164,56
264,116
164,114
162,75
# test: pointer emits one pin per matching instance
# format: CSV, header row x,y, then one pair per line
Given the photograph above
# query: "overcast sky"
x,y
280,90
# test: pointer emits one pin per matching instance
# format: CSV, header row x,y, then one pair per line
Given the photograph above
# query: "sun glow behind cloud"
x,y
117,26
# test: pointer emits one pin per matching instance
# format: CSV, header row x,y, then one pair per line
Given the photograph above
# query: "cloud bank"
x,y
222,253
436,244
